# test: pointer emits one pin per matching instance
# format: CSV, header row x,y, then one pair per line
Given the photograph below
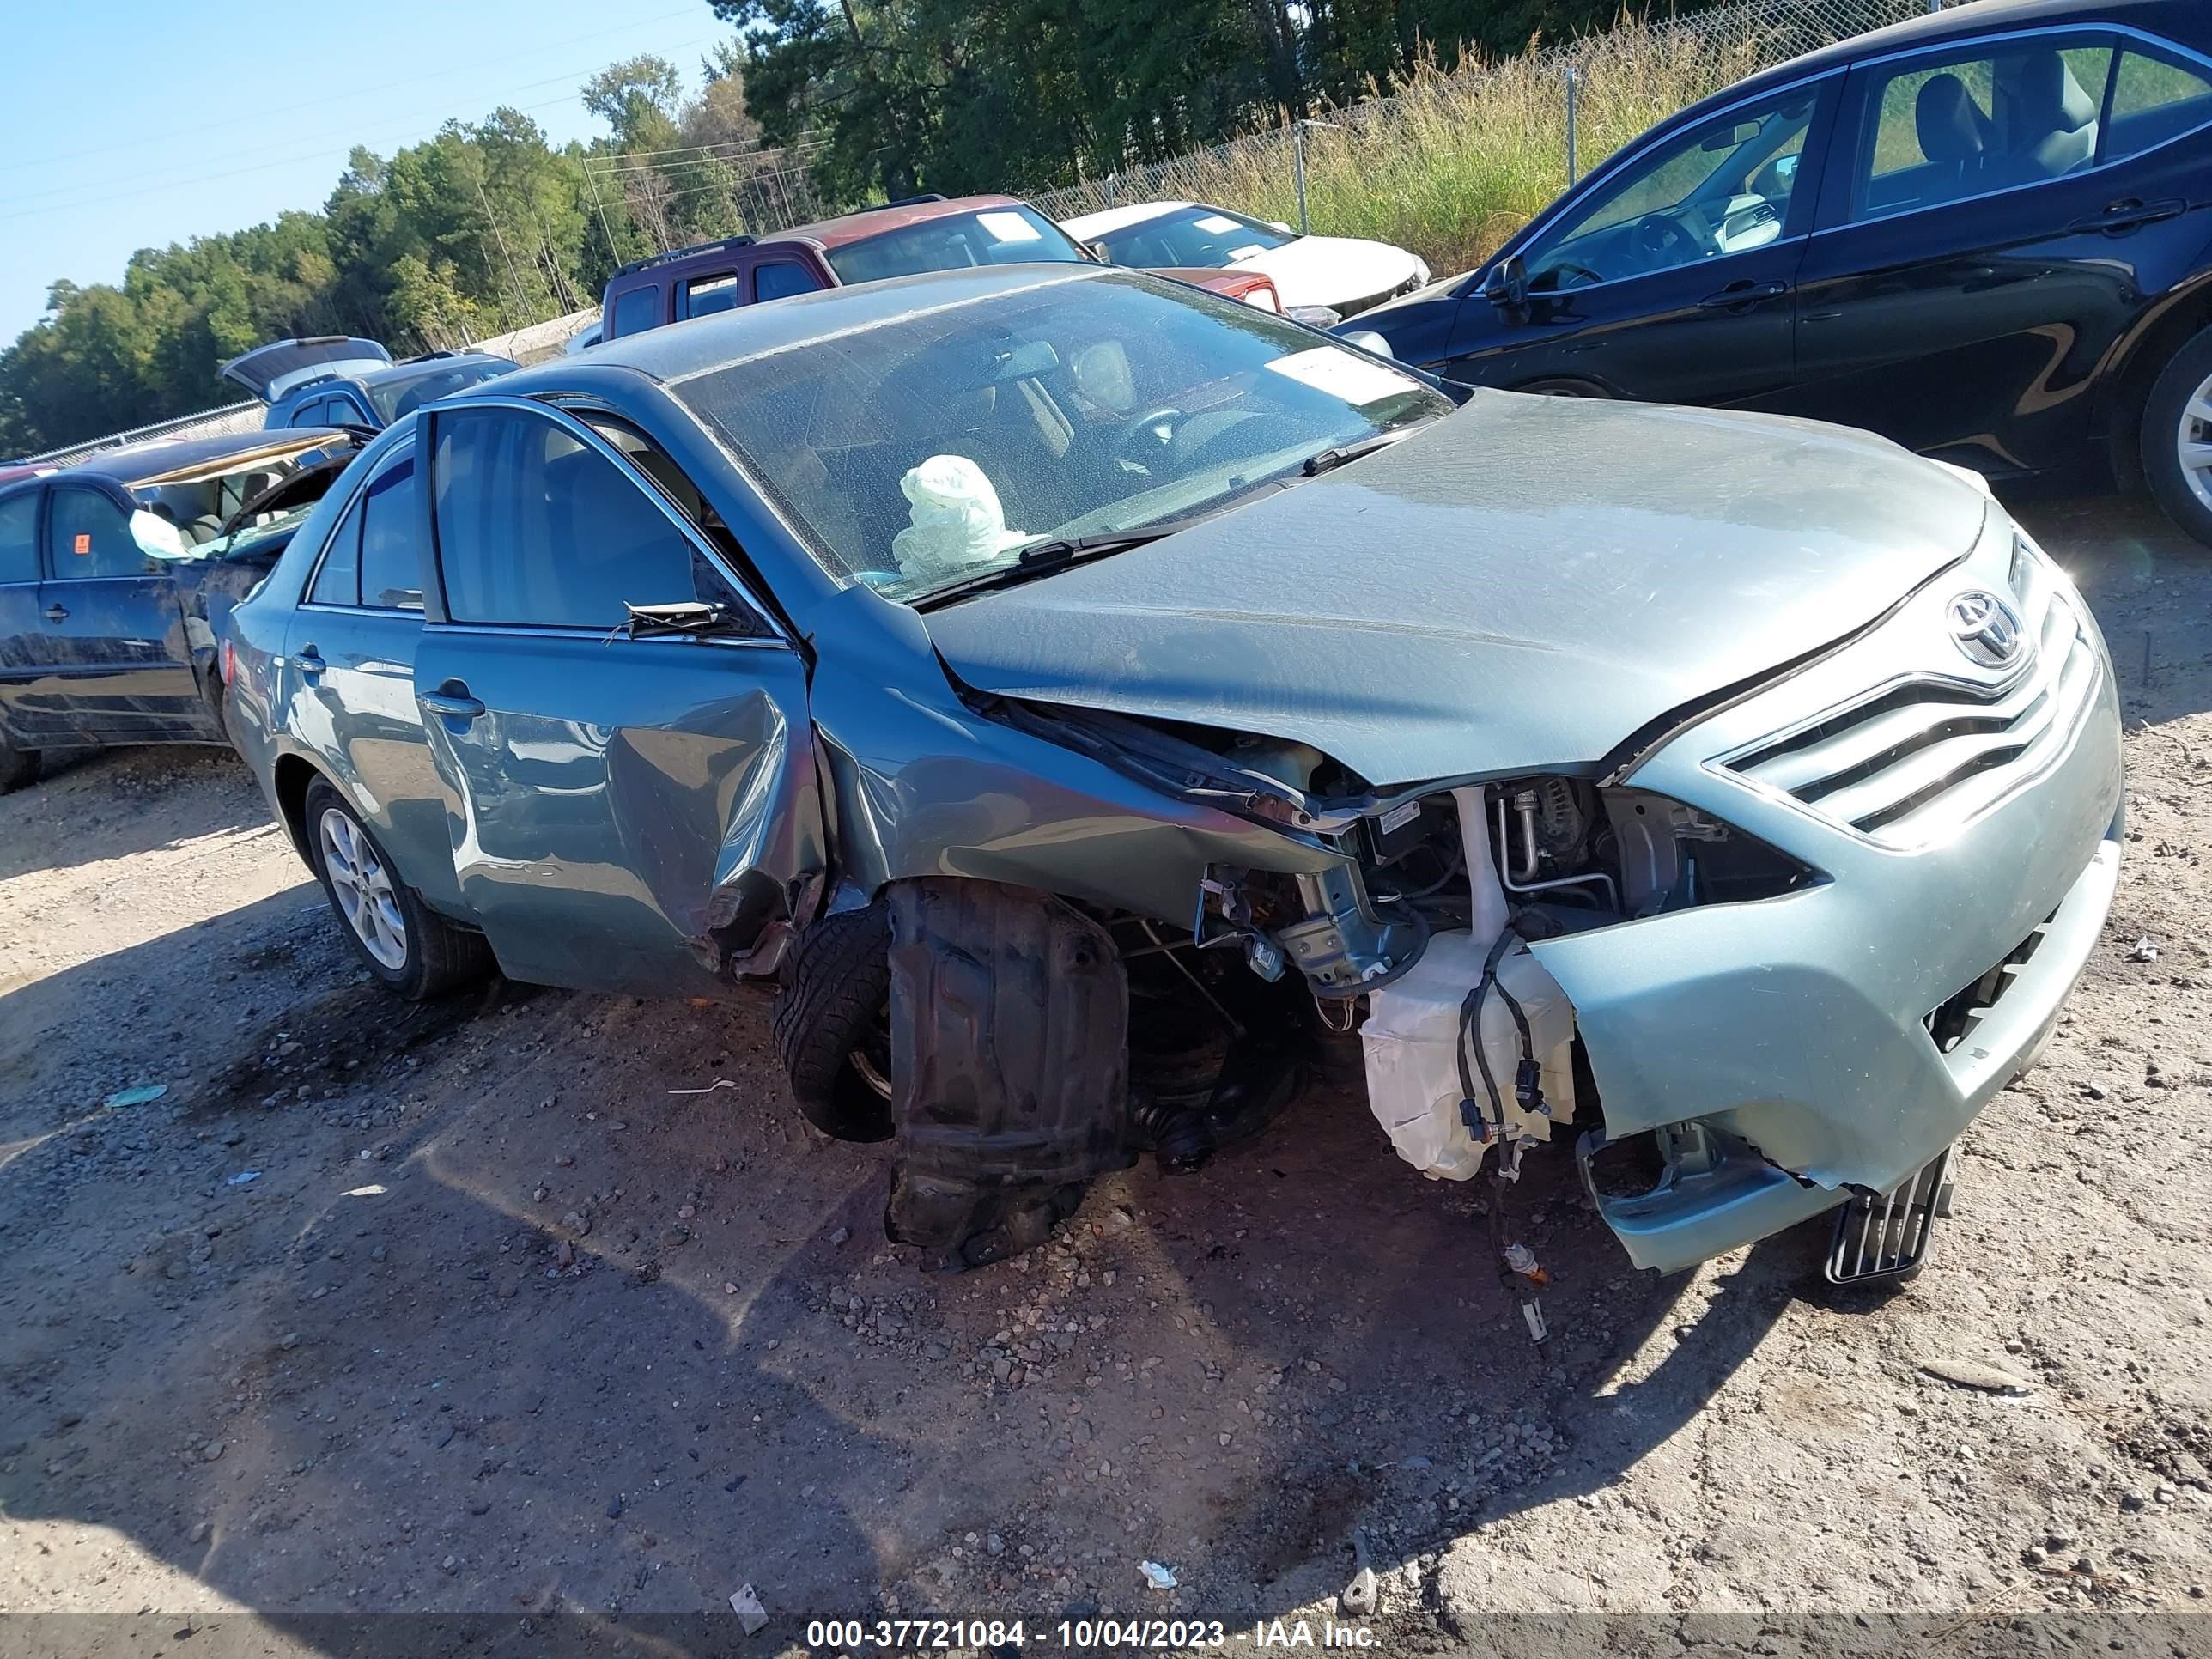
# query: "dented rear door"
x,y
625,813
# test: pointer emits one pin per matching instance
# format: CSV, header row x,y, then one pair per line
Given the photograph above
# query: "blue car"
x,y
115,575
334,379
1092,697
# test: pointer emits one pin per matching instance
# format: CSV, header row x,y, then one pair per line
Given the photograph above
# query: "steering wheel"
x,y
1146,437
1589,278
1662,238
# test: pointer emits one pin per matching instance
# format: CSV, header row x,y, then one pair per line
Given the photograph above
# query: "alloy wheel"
x,y
363,889
2193,443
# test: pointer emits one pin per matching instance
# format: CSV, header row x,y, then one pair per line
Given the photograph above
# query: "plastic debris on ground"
x,y
2145,950
243,1177
144,1094
719,1083
751,1614
1158,1576
1973,1374
1358,1597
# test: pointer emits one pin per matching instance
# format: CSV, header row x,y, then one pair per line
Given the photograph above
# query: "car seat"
x,y
1955,136
2050,122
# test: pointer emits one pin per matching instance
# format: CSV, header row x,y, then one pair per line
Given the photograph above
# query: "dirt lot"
x,y
460,1310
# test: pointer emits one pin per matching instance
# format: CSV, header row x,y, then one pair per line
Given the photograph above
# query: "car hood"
x,y
1520,587
1333,271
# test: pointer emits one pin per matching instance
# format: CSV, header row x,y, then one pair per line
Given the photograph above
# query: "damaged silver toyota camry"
x,y
1089,700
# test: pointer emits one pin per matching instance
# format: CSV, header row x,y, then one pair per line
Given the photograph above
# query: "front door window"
x,y
1724,187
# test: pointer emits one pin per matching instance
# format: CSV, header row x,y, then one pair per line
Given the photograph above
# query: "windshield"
x,y
397,395
200,505
1014,235
923,451
1203,237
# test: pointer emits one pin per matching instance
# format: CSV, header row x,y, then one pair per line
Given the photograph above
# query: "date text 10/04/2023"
x,y
911,1635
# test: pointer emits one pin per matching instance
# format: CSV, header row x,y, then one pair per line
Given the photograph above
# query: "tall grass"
x,y
1454,163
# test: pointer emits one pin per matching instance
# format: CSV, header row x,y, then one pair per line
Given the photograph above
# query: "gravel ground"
x,y
461,1311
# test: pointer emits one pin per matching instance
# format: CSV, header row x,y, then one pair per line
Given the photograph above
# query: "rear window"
x,y
396,397
988,236
635,312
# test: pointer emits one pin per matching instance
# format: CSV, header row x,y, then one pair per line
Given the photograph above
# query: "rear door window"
x,y
704,295
89,536
18,538
779,278
537,529
2155,98
314,413
1980,119
391,564
635,312
337,581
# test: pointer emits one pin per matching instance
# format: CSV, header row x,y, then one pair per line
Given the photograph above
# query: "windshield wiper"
x,y
1045,558
1328,460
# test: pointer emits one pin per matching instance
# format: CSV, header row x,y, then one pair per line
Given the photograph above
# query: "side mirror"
x,y
1368,340
156,538
1277,224
1096,251
1507,285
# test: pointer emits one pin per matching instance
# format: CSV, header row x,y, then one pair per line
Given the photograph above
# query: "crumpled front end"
x,y
1963,807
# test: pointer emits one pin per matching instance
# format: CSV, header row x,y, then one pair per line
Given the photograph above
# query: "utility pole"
x,y
514,277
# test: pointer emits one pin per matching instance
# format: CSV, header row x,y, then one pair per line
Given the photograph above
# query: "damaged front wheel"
x,y
831,1024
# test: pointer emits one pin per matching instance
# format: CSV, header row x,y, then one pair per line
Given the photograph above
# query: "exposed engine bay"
x,y
1412,937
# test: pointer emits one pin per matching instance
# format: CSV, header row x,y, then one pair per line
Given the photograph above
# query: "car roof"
x,y
678,350
1089,227
135,462
874,221
1953,23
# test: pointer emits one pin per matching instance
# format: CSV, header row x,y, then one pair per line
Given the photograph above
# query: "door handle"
x,y
1743,296
310,661
56,613
2130,215
452,701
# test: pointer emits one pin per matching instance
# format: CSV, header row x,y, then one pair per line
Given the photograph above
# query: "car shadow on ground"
x,y
95,803
2132,565
499,1325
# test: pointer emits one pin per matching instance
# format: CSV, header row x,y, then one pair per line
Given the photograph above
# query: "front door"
x,y
1672,278
114,635
1987,232
628,811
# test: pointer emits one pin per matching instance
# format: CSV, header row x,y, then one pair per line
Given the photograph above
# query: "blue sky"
x,y
129,124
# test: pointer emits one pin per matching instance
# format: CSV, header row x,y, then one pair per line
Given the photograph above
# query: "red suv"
x,y
921,232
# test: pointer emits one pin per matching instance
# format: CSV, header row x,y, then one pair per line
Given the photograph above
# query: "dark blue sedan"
x,y
1985,233
115,575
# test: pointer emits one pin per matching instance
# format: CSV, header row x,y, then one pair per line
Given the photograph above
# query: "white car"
x,y
1311,273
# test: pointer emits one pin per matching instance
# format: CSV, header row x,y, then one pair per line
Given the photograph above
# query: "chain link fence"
x,y
1451,164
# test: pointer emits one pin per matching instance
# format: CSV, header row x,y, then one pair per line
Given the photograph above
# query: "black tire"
x,y
2163,426
831,1024
18,766
434,957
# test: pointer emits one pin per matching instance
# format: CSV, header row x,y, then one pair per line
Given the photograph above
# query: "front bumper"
x,y
1796,1031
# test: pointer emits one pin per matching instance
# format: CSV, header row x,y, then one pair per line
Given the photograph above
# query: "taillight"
x,y
230,663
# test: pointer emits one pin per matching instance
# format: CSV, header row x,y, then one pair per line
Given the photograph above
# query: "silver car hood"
x,y
1521,586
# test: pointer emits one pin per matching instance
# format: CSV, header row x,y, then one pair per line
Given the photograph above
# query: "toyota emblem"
x,y
1986,629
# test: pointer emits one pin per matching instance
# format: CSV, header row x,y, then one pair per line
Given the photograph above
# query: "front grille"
x,y
1918,759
